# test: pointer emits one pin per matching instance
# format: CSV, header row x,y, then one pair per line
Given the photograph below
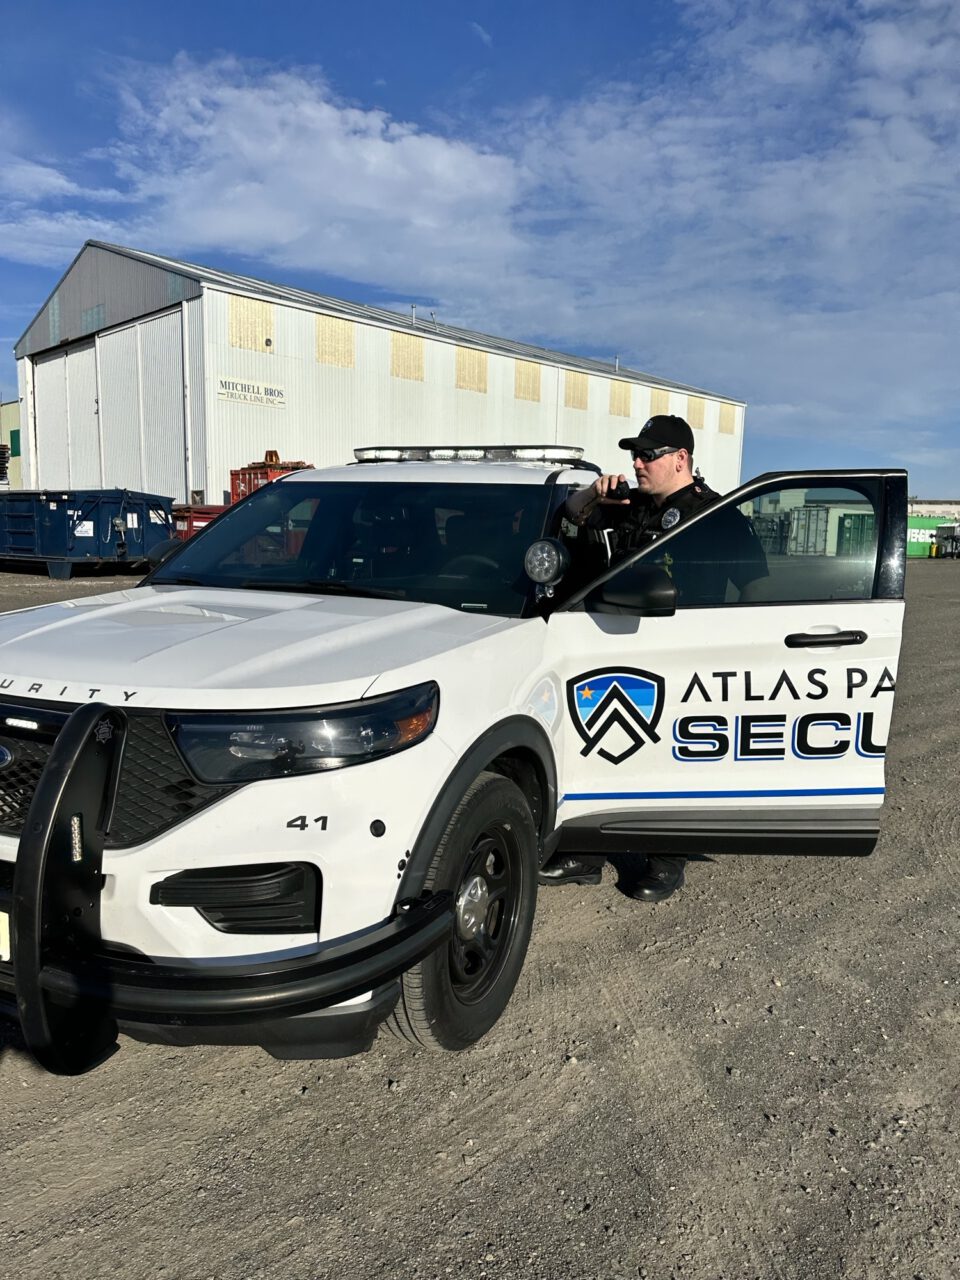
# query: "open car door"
x,y
754,716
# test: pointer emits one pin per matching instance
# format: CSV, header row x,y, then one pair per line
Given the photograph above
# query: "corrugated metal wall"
x,y
103,289
326,385
161,362
195,399
50,398
110,413
195,377
265,375
83,418
120,421
65,390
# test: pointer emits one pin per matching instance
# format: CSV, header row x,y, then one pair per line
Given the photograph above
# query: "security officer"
x,y
667,493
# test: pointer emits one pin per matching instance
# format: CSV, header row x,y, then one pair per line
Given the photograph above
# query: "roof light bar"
x,y
552,453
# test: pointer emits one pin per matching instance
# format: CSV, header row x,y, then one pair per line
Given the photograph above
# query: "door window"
x,y
793,543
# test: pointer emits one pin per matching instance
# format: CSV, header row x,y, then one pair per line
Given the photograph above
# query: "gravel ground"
x,y
757,1078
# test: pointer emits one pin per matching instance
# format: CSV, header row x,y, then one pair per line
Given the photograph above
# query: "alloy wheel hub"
x,y
472,902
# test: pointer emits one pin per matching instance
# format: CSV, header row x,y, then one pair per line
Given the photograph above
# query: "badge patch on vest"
x,y
670,518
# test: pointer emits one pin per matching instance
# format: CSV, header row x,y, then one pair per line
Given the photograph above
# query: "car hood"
x,y
203,647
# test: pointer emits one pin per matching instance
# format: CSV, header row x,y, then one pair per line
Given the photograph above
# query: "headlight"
x,y
275,744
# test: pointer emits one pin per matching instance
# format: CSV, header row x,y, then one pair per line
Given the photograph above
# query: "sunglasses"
x,y
650,455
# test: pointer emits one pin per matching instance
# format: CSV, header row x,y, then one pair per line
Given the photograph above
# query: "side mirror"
x,y
163,551
645,589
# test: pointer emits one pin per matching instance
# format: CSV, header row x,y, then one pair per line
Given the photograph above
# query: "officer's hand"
x,y
605,486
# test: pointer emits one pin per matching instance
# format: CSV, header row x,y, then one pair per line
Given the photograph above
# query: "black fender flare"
x,y
498,740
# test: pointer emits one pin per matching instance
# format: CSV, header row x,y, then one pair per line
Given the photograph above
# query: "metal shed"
x,y
148,373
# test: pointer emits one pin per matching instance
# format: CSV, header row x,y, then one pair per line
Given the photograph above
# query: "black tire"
x,y
455,994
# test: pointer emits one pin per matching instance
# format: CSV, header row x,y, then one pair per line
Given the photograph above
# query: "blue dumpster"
x,y
65,527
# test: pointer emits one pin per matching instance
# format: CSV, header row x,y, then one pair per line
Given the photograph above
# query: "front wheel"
x,y
487,858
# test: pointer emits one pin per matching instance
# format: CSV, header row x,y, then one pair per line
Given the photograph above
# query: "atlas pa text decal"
x,y
632,701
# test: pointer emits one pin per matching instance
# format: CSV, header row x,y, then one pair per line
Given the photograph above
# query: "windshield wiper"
x,y
323,586
178,582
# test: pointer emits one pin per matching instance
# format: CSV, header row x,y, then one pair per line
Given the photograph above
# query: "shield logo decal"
x,y
626,699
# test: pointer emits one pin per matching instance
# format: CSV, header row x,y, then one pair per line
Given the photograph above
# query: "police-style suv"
x,y
299,781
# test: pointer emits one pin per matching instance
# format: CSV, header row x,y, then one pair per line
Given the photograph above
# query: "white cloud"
x,y
481,34
26,180
273,166
51,239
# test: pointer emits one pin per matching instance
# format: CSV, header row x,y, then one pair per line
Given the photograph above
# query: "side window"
x,y
795,543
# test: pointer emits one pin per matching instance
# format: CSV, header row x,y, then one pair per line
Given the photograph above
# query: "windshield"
x,y
460,545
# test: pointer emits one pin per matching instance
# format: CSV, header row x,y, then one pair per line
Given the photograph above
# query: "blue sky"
x,y
755,196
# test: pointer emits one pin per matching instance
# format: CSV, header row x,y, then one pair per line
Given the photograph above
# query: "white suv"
x,y
300,780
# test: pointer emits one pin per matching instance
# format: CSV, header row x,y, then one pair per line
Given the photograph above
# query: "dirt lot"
x,y
758,1078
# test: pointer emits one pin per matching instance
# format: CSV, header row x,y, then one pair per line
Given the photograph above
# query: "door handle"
x,y
823,640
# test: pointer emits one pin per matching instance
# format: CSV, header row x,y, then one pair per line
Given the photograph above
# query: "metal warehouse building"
x,y
147,373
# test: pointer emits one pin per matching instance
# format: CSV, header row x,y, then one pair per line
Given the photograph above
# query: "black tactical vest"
x,y
645,522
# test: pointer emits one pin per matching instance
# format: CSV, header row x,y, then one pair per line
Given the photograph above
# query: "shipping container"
x,y
773,531
856,534
921,535
808,531
64,528
255,475
188,520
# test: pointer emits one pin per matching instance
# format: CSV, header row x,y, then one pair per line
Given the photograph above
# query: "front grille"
x,y
155,791
19,779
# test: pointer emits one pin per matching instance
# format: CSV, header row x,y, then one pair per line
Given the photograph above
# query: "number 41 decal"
x,y
302,822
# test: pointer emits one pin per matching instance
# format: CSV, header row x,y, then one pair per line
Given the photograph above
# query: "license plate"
x,y
4,935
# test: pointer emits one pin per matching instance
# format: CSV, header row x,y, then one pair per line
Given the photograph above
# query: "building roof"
x,y
209,276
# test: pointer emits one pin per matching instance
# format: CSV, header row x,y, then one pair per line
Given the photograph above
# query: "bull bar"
x,y
71,990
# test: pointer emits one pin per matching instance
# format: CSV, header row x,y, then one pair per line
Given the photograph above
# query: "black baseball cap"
x,y
662,431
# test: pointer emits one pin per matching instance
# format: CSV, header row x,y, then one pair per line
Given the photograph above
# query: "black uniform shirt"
x,y
715,552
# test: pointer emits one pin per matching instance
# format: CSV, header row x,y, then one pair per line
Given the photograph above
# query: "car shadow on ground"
x,y
11,1039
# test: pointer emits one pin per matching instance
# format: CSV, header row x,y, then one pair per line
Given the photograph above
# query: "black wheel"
x,y
488,858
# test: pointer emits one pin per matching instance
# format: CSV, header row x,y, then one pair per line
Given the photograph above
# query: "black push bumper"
x,y
71,993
